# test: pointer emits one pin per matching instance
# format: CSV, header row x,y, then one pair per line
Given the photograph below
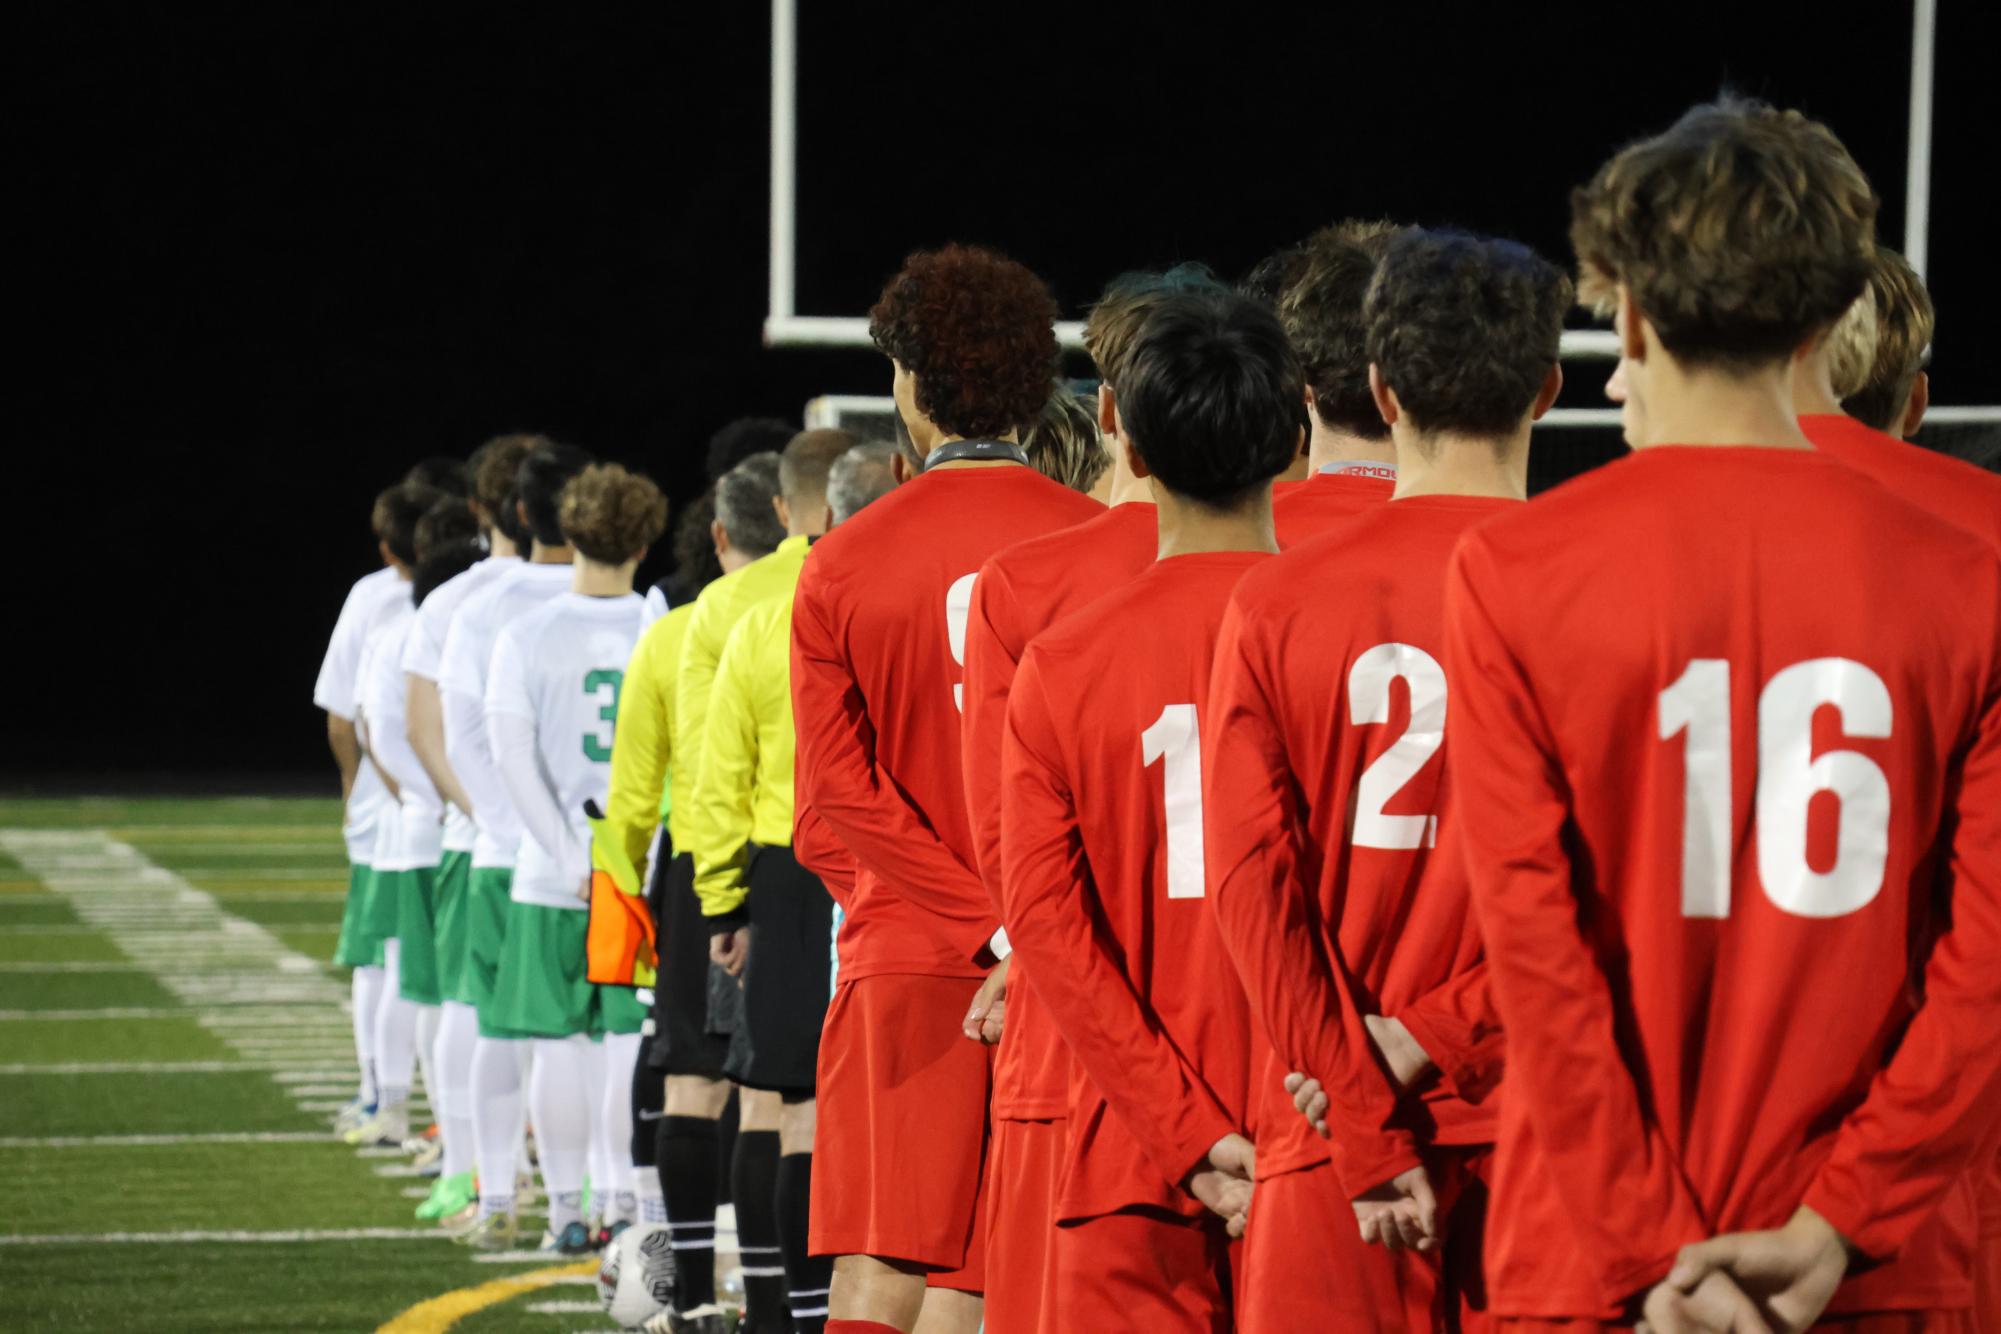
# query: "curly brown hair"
x,y
493,467
611,515
1738,232
977,331
1903,326
1322,314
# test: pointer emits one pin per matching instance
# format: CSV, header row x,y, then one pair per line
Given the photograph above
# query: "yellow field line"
x,y
442,1312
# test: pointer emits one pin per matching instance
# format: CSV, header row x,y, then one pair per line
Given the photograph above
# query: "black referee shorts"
x,y
682,1043
786,983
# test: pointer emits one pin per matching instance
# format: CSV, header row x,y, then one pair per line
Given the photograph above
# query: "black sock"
x,y
649,1096
690,1175
806,1278
754,1187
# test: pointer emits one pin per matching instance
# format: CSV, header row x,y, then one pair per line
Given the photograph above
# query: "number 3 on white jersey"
x,y
1369,702
1789,777
1176,738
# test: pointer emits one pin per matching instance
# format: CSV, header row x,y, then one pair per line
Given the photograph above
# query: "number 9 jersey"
x,y
1726,756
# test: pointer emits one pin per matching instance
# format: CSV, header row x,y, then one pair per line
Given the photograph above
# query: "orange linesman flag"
x,y
620,945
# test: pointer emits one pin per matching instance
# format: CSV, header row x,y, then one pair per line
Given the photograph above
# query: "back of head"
x,y
1212,396
447,523
396,514
1273,276
1322,311
1063,443
1899,343
1739,232
494,465
976,331
695,562
445,562
743,437
1114,320
610,515
860,476
1464,329
743,505
543,474
450,475
803,467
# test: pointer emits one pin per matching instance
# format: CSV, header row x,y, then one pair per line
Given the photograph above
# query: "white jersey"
x,y
559,668
657,605
383,713
424,647
373,599
462,669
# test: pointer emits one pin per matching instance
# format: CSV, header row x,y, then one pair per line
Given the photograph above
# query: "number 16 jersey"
x,y
1726,753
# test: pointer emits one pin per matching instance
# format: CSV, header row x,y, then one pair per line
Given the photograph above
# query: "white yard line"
x,y
564,1308
37,967
159,1141
158,1238
167,1068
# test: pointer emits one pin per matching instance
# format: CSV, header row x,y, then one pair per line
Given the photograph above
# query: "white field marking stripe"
x,y
516,1257
209,1238
166,1068
155,1141
45,930
117,1012
33,967
563,1308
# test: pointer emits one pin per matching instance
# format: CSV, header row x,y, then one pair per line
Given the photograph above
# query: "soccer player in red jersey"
x,y
1101,836
1020,593
1351,464
878,628
1322,801
1724,773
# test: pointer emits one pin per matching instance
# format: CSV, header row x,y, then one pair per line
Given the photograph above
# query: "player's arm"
x,y
424,714
719,824
333,692
510,724
369,753
1156,1094
1457,1027
818,849
640,749
989,672
1626,1188
866,811
694,674
346,748
1253,829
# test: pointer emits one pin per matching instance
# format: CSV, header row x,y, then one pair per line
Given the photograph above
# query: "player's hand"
x,y
987,1016
1401,1212
1223,1182
1716,1306
731,950
1408,1062
1310,1099
1789,1273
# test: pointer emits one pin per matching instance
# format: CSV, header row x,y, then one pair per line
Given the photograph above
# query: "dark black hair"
x,y
1464,328
450,475
1213,396
507,519
742,438
540,481
449,521
454,558
695,563
395,517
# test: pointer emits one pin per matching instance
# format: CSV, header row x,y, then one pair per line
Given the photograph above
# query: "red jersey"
x,y
1302,510
1021,593
878,627
816,849
1322,792
1101,830
1714,713
1966,496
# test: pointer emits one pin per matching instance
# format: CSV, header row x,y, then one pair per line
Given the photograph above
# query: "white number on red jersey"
x,y
1176,738
1789,777
958,610
1369,702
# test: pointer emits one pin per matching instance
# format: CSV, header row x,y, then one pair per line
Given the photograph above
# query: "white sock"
x,y
652,1199
621,1056
366,992
458,1035
427,1041
560,1104
496,1116
395,1037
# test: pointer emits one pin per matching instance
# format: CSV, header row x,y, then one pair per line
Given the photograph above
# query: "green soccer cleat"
x,y
448,1196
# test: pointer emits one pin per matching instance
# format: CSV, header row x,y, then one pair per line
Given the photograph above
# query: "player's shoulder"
x,y
1118,531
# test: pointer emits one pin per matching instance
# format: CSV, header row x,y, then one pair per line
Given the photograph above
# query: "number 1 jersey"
x,y
1725,750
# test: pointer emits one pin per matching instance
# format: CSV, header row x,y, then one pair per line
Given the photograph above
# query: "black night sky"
x,y
272,255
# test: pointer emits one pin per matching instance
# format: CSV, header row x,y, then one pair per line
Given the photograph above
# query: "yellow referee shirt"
x,y
721,605
743,794
648,779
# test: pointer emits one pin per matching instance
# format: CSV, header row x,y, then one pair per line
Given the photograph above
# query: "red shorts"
x,y
1024,1165
1306,1266
902,1129
1883,1322
1143,1270
1987,1255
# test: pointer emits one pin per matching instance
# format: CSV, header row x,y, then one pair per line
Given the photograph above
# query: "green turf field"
x,y
152,991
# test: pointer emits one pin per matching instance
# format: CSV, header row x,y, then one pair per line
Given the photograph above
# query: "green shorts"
x,y
448,901
351,951
484,927
619,1010
416,934
540,990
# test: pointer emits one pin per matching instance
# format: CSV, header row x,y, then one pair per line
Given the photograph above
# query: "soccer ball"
x,y
636,1275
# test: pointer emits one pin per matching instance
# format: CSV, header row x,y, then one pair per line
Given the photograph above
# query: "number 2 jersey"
x,y
878,633
1101,851
560,667
1725,749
